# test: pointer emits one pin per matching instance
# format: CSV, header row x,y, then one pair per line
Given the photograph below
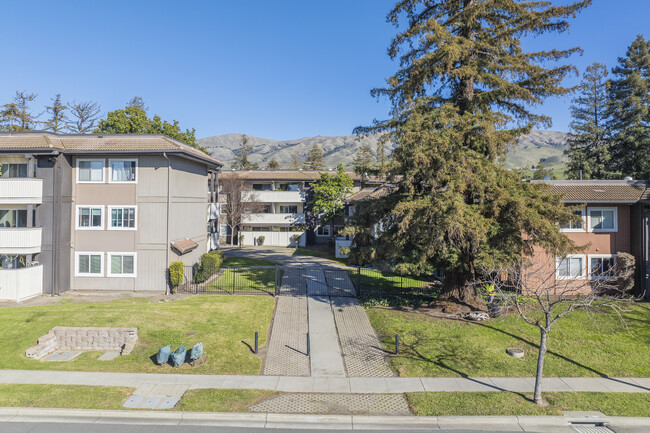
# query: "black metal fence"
x,y
289,280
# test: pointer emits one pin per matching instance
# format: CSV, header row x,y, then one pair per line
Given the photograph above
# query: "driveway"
x,y
281,255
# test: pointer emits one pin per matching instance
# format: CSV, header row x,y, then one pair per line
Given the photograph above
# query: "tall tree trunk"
x,y
458,288
537,396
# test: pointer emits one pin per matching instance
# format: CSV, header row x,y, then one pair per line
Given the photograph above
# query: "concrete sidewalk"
x,y
364,385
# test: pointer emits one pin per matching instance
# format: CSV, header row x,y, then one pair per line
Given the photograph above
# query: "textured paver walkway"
x,y
336,404
287,346
341,385
362,352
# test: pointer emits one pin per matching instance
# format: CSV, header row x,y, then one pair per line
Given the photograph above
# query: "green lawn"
x,y
319,253
578,345
222,400
508,403
247,279
223,323
63,396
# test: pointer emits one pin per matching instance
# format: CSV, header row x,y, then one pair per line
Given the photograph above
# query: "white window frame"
x,y
600,256
102,160
77,273
583,271
109,217
583,216
90,206
110,171
600,208
128,253
324,235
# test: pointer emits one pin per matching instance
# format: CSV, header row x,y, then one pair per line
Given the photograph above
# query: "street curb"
x,y
271,420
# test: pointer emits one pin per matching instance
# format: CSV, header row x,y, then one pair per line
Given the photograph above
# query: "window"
x,y
90,170
570,267
122,170
122,218
262,187
603,219
261,229
8,261
13,170
90,217
90,264
288,208
288,187
323,231
225,230
602,266
13,218
575,226
122,264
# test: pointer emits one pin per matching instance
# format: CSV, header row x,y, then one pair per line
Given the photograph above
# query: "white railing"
x,y
275,196
213,211
275,218
21,284
20,240
276,239
21,190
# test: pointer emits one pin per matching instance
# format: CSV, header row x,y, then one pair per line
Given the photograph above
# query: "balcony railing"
x,y
20,284
275,218
213,211
21,190
275,196
20,240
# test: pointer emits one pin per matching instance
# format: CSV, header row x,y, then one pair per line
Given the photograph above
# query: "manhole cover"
x,y
591,428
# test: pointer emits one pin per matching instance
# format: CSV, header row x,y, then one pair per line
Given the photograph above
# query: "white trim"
x,y
600,256
583,216
582,275
601,208
88,253
103,161
128,253
90,206
110,170
109,217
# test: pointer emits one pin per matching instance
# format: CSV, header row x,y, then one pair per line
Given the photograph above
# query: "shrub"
x,y
260,240
176,271
296,240
218,254
208,267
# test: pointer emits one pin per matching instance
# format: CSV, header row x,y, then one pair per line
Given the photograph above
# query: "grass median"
x,y
224,323
509,403
63,396
579,345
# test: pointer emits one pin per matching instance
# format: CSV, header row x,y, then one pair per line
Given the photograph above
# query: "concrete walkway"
x,y
364,385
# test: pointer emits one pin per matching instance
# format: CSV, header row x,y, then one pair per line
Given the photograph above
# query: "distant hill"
x,y
544,146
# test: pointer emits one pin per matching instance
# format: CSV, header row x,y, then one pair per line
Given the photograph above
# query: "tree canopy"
x,y
315,159
329,193
461,96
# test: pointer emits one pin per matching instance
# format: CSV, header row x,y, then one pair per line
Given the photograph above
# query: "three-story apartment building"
x,y
100,212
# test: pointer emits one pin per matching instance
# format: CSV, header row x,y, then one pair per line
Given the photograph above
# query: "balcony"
x,y
21,284
20,240
213,211
21,190
275,196
275,219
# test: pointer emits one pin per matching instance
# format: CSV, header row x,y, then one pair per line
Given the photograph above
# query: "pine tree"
x,y
58,117
272,165
542,172
362,161
462,95
588,143
315,159
241,159
296,162
630,112
16,114
137,101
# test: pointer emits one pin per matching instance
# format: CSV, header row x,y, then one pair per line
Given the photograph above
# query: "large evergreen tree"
x,y
588,143
630,112
460,98
58,118
362,161
314,159
241,158
16,115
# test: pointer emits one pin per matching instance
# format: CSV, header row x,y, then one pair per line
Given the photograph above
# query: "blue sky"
x,y
275,69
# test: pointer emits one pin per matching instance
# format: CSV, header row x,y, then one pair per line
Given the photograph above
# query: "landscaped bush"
x,y
219,256
176,271
209,266
260,240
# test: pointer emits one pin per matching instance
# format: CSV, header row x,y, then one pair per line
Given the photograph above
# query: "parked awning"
x,y
184,246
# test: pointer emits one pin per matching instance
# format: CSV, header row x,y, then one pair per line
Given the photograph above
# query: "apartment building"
x,y
100,212
282,196
614,218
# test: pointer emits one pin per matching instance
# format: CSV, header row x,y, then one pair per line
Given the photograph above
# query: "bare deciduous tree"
x,y
85,115
239,202
541,297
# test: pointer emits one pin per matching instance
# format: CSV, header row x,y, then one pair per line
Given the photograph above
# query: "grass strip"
x,y
509,403
222,400
63,396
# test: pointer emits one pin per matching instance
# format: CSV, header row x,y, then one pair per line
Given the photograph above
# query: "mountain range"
x,y
538,146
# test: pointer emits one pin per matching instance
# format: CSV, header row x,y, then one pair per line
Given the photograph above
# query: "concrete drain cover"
x,y
156,396
62,356
335,404
591,428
